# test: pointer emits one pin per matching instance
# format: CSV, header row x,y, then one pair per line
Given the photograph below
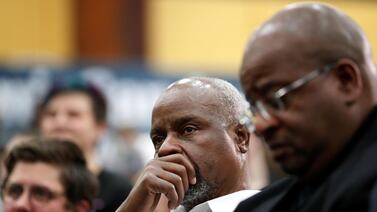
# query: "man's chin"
x,y
293,167
201,192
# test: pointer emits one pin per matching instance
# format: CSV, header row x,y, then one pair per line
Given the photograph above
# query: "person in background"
x,y
201,150
76,111
309,76
47,176
126,159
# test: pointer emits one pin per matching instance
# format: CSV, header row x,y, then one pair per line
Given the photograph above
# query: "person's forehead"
x,y
72,99
37,173
197,94
273,55
185,102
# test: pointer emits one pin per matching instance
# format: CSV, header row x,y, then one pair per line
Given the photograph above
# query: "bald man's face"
x,y
301,136
187,121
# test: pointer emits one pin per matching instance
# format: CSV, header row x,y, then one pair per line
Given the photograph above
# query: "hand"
x,y
170,175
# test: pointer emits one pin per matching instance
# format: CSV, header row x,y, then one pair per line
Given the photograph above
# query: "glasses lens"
x,y
41,194
12,192
274,104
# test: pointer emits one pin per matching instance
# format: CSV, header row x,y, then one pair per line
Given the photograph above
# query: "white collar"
x,y
229,202
226,203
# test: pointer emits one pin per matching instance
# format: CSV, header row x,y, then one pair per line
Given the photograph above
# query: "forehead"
x,y
186,101
272,59
37,174
73,99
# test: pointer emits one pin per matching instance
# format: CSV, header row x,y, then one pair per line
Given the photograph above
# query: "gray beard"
x,y
201,192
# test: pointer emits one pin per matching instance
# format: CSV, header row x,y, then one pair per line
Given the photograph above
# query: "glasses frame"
x,y
33,196
277,97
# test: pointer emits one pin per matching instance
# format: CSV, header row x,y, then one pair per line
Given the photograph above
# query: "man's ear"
x,y
242,138
350,80
82,206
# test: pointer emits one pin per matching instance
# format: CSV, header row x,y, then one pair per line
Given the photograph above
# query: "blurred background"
x,y
132,49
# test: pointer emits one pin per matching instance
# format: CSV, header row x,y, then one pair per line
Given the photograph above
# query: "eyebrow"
x,y
185,119
177,122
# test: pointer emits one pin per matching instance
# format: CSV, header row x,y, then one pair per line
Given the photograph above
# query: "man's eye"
x,y
14,191
157,141
49,113
74,114
42,194
189,130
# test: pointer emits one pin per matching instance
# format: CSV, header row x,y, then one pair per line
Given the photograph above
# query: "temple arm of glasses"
x,y
300,82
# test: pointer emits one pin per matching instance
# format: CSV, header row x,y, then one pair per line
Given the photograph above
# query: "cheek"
x,y
46,124
215,158
57,206
308,125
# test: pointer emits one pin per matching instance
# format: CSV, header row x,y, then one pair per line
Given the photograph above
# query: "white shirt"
x,y
226,203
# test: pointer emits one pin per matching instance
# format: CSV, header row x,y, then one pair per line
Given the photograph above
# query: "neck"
x,y
92,163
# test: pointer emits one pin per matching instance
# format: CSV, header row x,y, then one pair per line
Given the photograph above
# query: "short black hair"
x,y
78,182
98,100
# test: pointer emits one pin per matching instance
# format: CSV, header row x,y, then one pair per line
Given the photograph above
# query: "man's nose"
x,y
171,145
22,203
60,119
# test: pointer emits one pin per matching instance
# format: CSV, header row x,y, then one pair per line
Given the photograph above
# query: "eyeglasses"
x,y
275,101
38,194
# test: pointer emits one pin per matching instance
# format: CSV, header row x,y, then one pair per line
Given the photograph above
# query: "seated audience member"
x,y
310,78
47,176
76,111
201,149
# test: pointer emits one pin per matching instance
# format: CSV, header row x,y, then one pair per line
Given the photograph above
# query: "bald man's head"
x,y
225,99
199,119
312,34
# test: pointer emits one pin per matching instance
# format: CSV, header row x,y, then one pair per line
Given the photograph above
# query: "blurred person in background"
x,y
201,150
128,147
77,111
309,75
47,176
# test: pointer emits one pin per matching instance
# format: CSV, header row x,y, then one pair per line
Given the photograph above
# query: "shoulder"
x,y
268,197
229,202
112,181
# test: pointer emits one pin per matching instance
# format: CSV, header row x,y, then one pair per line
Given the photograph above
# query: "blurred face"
x,y
185,121
70,116
302,136
34,187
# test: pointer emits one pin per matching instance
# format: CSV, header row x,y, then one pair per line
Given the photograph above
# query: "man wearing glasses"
x,y
47,176
310,78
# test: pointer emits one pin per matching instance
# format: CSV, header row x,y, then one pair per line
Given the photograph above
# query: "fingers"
x,y
165,187
170,175
187,165
179,171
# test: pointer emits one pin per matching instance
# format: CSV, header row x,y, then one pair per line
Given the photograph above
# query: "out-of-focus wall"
x,y
180,35
211,34
36,31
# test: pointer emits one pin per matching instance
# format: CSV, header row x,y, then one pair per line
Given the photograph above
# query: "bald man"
x,y
310,78
201,150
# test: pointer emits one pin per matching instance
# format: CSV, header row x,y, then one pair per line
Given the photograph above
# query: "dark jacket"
x,y
345,187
